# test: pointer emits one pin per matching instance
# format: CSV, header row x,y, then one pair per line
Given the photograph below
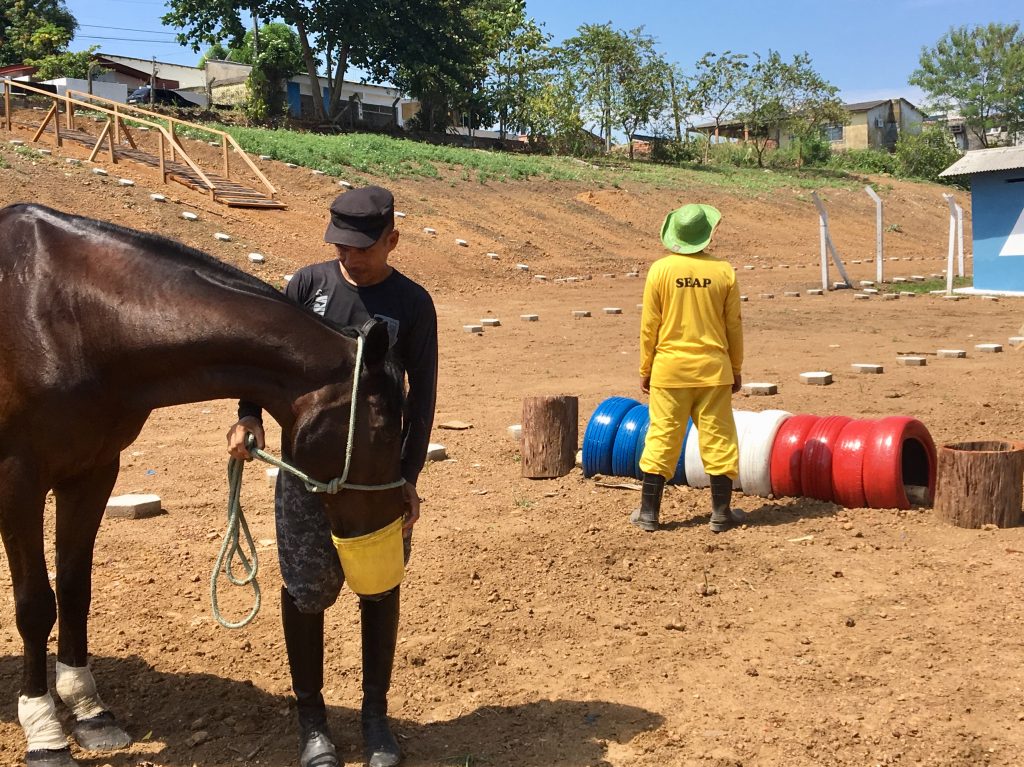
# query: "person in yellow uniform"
x,y
691,355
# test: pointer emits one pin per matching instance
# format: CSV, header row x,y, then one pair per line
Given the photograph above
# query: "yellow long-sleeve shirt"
x,y
691,332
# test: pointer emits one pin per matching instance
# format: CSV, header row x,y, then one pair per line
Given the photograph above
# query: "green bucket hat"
x,y
688,229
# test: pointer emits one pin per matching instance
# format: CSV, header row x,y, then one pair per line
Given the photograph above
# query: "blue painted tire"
x,y
624,446
599,437
641,439
679,478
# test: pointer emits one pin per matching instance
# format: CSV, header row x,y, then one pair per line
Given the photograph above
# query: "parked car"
x,y
140,96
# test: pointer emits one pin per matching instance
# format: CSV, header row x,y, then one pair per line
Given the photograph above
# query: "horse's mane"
x,y
205,265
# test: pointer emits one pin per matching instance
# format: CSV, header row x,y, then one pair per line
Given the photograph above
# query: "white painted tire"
x,y
696,476
756,452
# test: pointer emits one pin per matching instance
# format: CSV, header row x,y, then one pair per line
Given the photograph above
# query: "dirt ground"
x,y
539,628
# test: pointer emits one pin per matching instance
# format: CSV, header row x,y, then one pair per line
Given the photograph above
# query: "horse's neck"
x,y
250,347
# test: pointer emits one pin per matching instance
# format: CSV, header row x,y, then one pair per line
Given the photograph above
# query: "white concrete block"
x,y
399,214
540,277
1016,340
632,275
612,310
816,378
429,230
867,283
890,296
345,184
45,152
761,389
783,266
317,172
815,292
855,261
840,286
257,258
515,431
213,143
908,294
640,307
744,299
990,298
493,256
133,506
898,280
16,142
72,161
871,291
913,362
100,172
462,243
189,215
864,367
436,452
579,314
921,277
222,236
473,328
749,267
490,322
522,267
989,348
290,165
262,156
766,295
529,317
952,353
792,294
156,197
861,296
951,298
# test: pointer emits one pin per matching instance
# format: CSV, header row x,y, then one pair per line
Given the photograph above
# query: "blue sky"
x,y
867,48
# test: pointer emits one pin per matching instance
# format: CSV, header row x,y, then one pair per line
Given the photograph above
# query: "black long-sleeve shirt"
x,y
409,312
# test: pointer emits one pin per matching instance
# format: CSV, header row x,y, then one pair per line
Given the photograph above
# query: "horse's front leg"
x,y
22,497
80,505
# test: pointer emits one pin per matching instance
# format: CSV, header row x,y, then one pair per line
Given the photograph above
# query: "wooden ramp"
x,y
176,166
230,193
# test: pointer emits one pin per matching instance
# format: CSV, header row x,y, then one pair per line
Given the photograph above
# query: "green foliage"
x,y
277,57
926,154
34,29
716,86
733,153
864,161
214,52
979,72
67,64
677,152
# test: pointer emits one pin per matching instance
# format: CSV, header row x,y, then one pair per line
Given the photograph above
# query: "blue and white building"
x,y
997,217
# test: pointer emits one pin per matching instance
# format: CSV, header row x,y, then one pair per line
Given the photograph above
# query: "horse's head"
x,y
319,438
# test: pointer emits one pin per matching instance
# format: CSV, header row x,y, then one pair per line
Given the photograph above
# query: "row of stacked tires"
x,y
858,463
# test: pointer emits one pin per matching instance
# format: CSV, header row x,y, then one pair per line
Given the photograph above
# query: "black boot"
x,y
646,517
723,516
304,638
379,620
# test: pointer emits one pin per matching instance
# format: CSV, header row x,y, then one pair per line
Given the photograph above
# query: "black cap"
x,y
360,216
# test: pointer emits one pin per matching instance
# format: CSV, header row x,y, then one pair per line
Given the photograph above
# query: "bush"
x,y
814,150
926,154
676,152
734,153
863,161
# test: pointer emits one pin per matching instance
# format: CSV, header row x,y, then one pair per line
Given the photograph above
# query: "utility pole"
x,y
255,34
152,84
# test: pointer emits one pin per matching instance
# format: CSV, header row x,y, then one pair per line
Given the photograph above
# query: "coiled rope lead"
x,y
231,548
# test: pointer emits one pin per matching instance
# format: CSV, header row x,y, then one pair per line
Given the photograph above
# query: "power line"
x,y
127,39
128,29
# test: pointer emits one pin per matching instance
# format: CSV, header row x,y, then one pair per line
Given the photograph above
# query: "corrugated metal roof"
x,y
987,160
864,106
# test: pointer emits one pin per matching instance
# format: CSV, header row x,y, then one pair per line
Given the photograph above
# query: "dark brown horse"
x,y
101,325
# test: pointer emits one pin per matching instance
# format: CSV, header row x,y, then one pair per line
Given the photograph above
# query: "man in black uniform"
x,y
359,286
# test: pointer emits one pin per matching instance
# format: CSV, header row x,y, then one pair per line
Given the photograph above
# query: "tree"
x,y
716,86
781,95
978,71
34,29
276,57
78,65
215,52
621,77
925,154
389,41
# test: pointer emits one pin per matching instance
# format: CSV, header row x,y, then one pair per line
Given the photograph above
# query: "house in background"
x,y
872,125
967,140
377,106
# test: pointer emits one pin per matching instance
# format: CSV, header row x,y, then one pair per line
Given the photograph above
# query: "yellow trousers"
x,y
710,407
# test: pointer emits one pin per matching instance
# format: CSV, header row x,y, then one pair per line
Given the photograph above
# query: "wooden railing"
x,y
115,127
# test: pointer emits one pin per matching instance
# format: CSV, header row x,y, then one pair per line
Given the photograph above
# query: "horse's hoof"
x,y
60,757
101,733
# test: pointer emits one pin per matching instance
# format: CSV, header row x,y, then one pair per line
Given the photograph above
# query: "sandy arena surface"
x,y
539,628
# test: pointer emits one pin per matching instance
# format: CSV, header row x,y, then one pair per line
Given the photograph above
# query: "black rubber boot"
x,y
379,620
646,517
304,638
723,516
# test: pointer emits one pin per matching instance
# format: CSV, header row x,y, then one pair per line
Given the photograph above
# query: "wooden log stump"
x,y
550,434
980,483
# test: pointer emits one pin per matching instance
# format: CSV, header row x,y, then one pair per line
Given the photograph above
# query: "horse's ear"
x,y
376,342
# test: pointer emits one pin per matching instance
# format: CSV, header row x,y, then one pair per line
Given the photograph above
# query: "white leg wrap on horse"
x,y
77,689
38,718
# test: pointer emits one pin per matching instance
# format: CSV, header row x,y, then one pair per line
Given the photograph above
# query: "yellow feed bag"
x,y
375,562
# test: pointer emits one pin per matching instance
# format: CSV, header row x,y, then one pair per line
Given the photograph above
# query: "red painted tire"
x,y
848,464
816,466
899,452
787,453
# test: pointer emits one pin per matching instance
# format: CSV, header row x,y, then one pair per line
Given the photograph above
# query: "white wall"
x,y
112,91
